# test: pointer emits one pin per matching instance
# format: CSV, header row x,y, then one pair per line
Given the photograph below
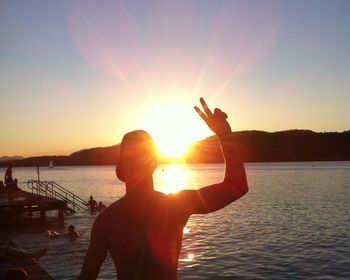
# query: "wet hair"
x,y
71,227
137,152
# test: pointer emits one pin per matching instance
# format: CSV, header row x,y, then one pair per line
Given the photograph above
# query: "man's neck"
x,y
142,185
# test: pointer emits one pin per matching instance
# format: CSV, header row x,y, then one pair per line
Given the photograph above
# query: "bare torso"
x,y
143,235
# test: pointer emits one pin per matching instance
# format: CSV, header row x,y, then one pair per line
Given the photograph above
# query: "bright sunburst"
x,y
174,126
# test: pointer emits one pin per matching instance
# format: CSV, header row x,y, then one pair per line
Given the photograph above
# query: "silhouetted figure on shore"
x,y
8,175
143,230
2,186
14,185
92,204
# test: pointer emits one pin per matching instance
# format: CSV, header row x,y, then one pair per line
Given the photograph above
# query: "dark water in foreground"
x,y
293,224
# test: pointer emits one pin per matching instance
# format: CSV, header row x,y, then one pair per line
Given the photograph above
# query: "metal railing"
x,y
54,190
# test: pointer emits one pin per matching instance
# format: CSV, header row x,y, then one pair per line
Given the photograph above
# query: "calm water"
x,y
293,224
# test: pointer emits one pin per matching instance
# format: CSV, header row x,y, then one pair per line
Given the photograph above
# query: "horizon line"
x,y
96,147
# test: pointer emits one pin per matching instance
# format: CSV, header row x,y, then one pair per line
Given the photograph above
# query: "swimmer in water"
x,y
71,233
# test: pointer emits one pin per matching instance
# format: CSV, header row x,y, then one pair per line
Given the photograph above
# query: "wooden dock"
x,y
35,272
14,206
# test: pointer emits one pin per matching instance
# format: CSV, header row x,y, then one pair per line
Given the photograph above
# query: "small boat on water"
x,y
51,164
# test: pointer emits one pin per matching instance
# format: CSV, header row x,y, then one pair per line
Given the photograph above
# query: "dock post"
x,y
61,217
42,211
30,214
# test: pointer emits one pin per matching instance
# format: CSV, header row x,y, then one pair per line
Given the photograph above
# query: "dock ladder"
x,y
54,190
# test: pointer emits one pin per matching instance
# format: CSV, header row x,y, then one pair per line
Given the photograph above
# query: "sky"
x,y
80,74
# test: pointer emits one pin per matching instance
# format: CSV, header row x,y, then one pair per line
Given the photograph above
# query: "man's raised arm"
x,y
234,185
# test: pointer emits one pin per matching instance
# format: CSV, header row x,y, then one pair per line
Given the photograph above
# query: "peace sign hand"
x,y
216,122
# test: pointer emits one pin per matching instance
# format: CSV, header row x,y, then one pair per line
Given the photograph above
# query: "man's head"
x,y
138,156
71,228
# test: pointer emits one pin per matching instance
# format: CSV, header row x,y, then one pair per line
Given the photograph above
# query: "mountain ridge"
x,y
9,158
253,146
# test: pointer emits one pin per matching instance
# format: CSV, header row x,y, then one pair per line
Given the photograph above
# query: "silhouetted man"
x,y
142,231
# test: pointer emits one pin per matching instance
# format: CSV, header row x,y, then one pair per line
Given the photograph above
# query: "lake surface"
x,y
293,224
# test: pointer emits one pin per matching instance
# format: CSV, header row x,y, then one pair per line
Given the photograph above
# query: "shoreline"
x,y
185,163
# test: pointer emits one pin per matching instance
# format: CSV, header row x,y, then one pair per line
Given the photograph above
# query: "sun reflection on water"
x,y
186,230
171,178
190,257
187,258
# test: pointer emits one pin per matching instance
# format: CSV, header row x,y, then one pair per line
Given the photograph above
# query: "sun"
x,y
170,146
174,126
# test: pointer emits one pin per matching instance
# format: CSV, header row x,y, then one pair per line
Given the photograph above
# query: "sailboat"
x,y
51,164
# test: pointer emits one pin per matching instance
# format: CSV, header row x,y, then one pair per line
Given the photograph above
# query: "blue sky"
x,y
78,74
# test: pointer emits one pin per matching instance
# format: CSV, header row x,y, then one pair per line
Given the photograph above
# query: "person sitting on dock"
x,y
72,234
143,230
14,185
92,204
11,188
8,175
2,186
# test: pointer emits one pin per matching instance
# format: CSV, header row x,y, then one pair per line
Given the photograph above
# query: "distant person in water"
x,y
143,230
101,206
71,233
92,204
8,175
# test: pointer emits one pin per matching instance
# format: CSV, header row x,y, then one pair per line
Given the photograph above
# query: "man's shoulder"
x,y
161,195
102,220
110,210
107,218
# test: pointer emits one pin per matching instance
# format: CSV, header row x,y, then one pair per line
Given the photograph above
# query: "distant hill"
x,y
7,158
253,146
93,156
291,145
